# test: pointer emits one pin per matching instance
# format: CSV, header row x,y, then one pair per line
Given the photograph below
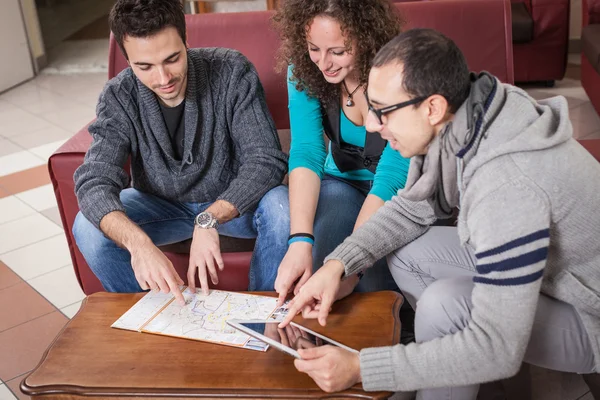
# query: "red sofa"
x,y
540,30
590,55
490,49
542,55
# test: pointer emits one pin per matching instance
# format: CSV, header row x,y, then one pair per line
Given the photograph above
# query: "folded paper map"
x,y
202,318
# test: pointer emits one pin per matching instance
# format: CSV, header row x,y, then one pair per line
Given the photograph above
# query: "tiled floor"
x,y
38,289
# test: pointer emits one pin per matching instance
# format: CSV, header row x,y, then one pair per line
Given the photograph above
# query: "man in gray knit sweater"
x,y
517,280
205,158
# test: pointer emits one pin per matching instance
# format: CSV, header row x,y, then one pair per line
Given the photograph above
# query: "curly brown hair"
x,y
370,23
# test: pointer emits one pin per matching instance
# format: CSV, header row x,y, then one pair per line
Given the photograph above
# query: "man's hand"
x,y
297,263
154,271
332,368
321,290
205,254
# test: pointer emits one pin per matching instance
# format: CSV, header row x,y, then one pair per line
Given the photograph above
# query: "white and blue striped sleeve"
x,y
510,232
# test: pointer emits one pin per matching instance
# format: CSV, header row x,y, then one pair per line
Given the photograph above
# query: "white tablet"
x,y
288,339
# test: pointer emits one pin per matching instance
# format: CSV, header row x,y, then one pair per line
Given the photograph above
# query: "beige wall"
x,y
575,24
32,25
13,42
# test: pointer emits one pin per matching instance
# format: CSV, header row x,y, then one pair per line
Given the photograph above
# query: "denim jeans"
x,y
337,210
167,222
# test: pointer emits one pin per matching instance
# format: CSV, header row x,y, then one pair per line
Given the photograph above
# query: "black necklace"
x,y
349,102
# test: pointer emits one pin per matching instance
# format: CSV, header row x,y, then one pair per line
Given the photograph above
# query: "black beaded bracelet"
x,y
307,235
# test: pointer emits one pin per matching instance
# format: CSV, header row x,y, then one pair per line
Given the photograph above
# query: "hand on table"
x,y
205,252
317,295
153,270
331,367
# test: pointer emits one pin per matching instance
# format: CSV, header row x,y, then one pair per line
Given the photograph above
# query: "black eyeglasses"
x,y
386,110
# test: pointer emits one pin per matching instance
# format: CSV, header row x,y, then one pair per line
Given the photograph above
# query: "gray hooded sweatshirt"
x,y
529,196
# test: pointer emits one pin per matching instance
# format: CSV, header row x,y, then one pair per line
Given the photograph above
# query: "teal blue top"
x,y
308,147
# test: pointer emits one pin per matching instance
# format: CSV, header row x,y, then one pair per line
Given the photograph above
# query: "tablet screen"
x,y
291,336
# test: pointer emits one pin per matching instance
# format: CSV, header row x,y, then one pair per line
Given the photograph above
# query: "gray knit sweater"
x,y
529,201
231,148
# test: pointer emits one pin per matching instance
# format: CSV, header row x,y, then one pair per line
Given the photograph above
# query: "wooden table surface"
x,y
90,358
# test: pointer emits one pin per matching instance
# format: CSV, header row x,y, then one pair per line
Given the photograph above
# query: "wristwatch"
x,y
206,220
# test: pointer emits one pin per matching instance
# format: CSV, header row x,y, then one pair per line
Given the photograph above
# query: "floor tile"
x,y
7,147
539,94
46,150
40,198
17,162
571,88
7,277
37,100
6,106
575,102
19,304
72,57
25,180
60,287
72,85
20,91
5,393
582,129
39,258
71,310
587,114
19,121
22,347
72,118
25,231
573,72
41,137
53,215
593,135
14,385
575,59
12,208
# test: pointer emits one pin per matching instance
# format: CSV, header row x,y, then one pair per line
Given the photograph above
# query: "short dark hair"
x,y
144,18
432,64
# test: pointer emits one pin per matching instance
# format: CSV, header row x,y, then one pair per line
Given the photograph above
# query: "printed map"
x,y
202,318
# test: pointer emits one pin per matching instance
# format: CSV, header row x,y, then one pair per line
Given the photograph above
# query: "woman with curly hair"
x,y
327,46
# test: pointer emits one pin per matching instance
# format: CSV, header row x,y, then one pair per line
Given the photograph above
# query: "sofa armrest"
x,y
62,165
550,19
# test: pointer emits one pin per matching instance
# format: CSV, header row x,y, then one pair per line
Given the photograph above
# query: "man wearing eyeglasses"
x,y
517,280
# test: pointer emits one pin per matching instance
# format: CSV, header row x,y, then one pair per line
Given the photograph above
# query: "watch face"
x,y
204,219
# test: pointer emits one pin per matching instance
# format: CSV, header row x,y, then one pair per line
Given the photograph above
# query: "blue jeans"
x,y
337,210
167,222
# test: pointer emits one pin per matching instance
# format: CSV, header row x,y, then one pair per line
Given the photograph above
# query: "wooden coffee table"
x,y
88,358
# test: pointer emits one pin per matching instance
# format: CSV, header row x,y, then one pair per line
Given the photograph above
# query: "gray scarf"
x,y
433,176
